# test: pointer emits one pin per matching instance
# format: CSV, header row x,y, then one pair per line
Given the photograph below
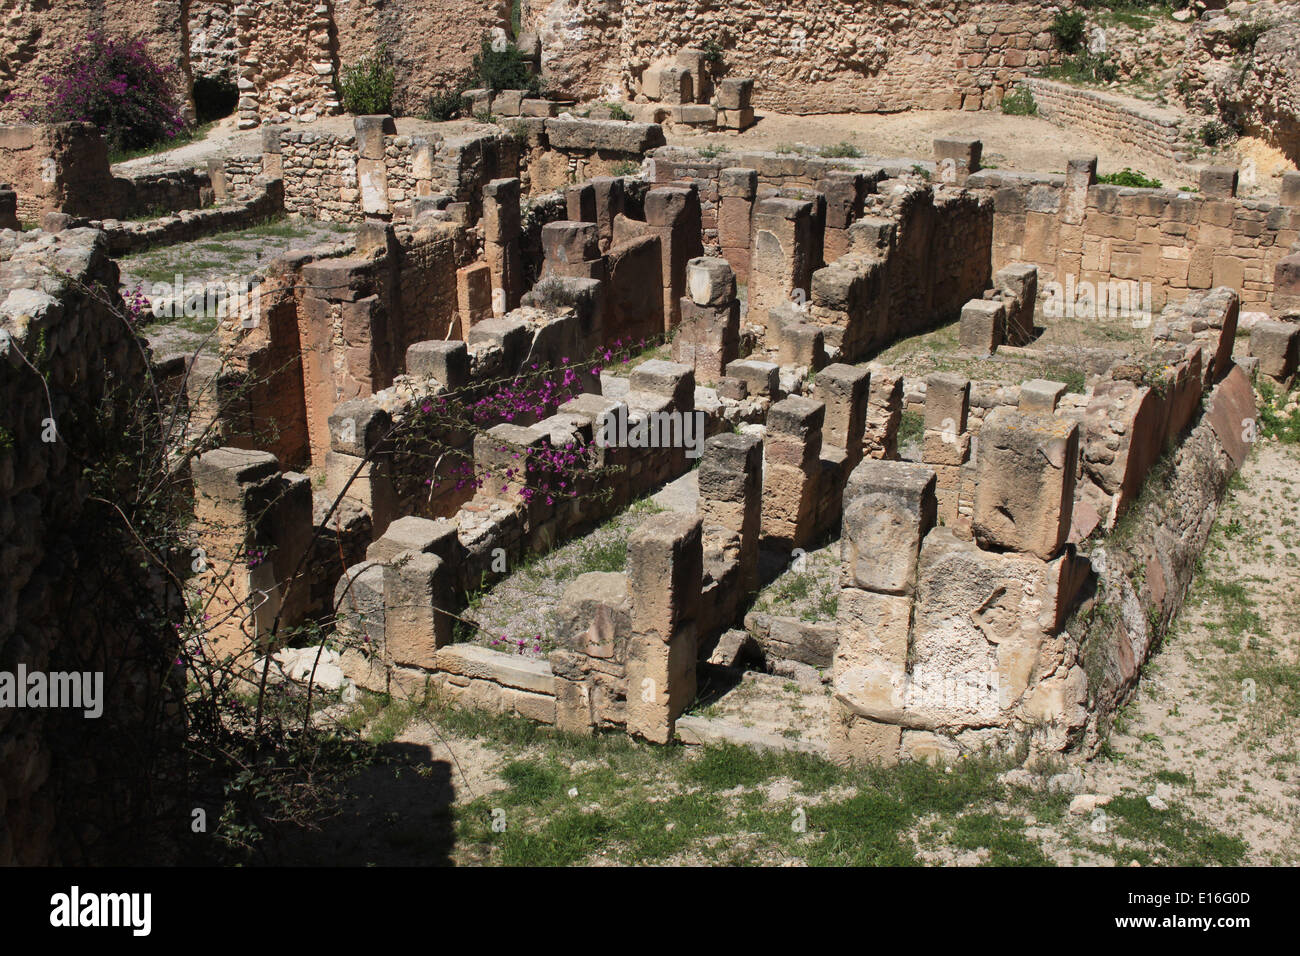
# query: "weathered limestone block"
x,y
255,525
1040,397
594,616
844,389
416,605
665,575
857,740
1286,287
1218,182
708,338
791,471
411,533
1277,346
760,378
572,249
983,326
359,625
1018,284
473,294
1024,491
737,188
986,632
599,200
957,158
780,258
731,488
446,363
672,213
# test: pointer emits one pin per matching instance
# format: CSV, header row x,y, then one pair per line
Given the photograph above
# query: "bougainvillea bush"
x,y
115,84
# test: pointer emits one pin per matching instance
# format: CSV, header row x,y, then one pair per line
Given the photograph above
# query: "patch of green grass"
x,y
1003,837
1019,102
910,428
1179,839
1130,177
841,150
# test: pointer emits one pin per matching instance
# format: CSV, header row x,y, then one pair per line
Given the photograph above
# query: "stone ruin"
x,y
771,281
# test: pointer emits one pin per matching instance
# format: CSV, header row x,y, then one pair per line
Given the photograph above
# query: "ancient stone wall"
x,y
835,56
72,379
1161,239
35,37
1116,120
214,44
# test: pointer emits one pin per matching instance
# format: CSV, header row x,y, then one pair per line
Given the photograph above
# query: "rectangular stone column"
x,y
1018,283
473,295
665,561
791,470
572,250
947,442
673,214
957,158
272,154
844,191
254,525
357,464
734,103
709,335
889,507
598,200
845,390
780,254
501,226
731,491
1024,492
372,167
736,191
417,596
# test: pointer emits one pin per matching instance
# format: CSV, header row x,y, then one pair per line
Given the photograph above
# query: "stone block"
x,y
1024,491
447,363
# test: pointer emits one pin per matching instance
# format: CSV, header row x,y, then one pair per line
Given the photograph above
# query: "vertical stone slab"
x,y
845,389
673,214
501,227
709,335
791,471
731,490
780,254
737,188
1024,492
665,574
372,169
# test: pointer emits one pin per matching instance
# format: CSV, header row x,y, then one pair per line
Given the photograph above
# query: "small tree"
x,y
115,84
367,86
500,66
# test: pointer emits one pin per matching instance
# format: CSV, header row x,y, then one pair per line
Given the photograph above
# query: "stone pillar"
x,y
417,594
844,389
947,443
779,257
709,335
357,465
501,228
446,363
665,561
1024,492
1218,182
1290,192
673,214
1286,287
255,525
957,158
598,200
889,507
1080,175
791,470
736,191
983,327
572,249
844,191
372,167
1018,283
734,108
272,155
473,295
731,490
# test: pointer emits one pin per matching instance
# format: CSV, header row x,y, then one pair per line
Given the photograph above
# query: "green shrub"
x,y
504,69
367,85
1085,68
1216,131
1130,177
1069,29
446,104
1020,102
840,151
